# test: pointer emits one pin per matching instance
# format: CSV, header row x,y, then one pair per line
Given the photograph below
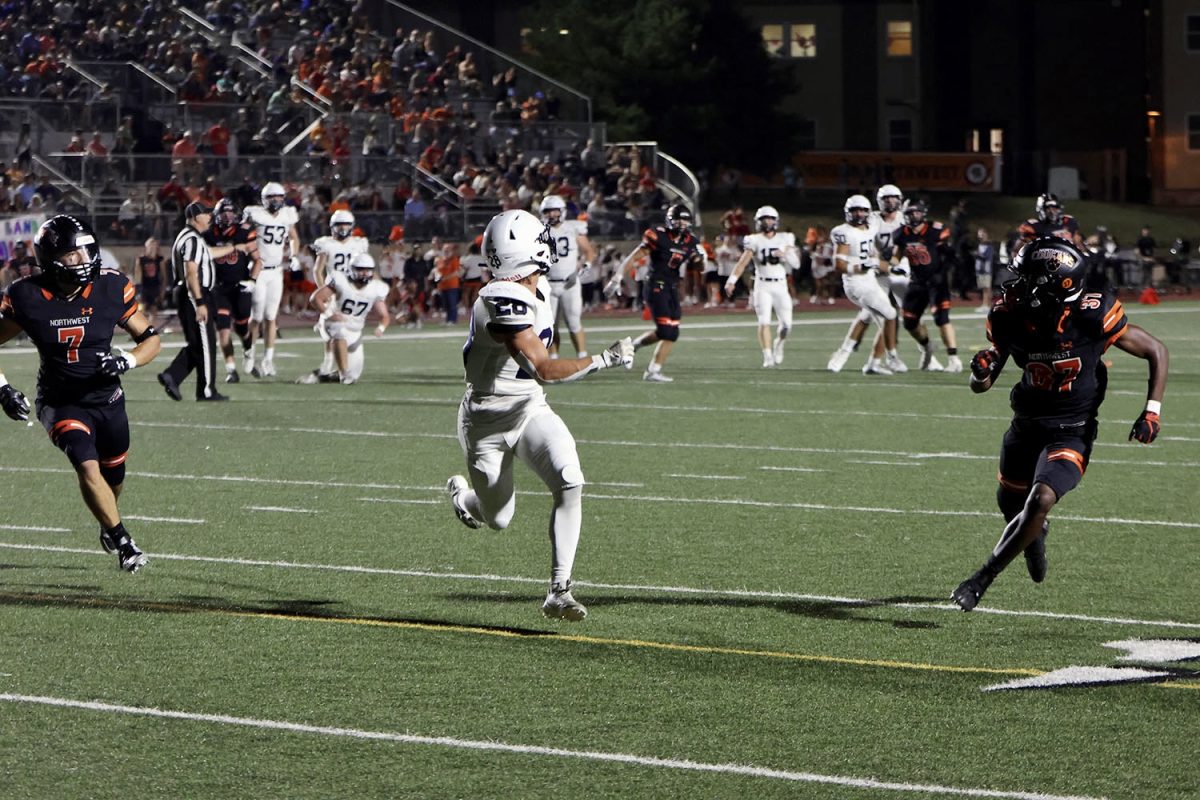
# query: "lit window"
x,y
803,41
1193,131
900,134
899,38
1193,32
996,139
773,39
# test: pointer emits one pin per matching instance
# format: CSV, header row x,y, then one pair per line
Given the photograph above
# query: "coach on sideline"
x,y
194,274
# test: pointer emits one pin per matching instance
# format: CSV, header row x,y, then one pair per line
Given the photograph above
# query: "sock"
x,y
117,534
951,351
565,521
270,355
653,366
581,354
326,364
230,366
892,353
849,345
767,353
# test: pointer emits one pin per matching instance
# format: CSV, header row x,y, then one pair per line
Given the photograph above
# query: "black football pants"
x,y
201,351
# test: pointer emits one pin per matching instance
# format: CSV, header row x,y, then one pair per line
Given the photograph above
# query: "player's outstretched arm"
x,y
528,351
1137,342
12,401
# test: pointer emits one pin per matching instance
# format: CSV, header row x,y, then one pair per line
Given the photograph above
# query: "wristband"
x,y
131,359
1152,406
3,380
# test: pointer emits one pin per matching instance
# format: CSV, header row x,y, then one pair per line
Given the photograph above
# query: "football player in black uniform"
x,y
236,274
670,247
1049,220
924,242
69,311
1056,331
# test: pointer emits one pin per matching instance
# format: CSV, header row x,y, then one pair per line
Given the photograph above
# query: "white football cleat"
x,y
561,605
248,364
893,362
874,367
838,360
456,486
656,377
777,351
954,364
268,369
929,362
768,360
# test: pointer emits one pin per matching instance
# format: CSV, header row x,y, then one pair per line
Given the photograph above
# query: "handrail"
x,y
87,76
300,137
54,171
198,20
256,62
148,74
543,76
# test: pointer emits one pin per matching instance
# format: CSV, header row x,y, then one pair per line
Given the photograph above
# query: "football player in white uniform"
x,y
887,220
774,254
335,253
344,303
504,411
566,295
856,257
275,223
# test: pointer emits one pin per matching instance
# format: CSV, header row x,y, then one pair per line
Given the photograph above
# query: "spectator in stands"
x,y
149,273
416,215
218,137
985,264
26,190
1145,248
49,192
172,197
447,266
210,193
183,157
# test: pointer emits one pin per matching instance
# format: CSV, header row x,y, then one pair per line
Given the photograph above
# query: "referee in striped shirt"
x,y
194,274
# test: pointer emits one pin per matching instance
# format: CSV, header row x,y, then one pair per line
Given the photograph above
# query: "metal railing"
x,y
675,180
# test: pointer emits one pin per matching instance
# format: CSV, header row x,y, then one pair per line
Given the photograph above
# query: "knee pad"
x,y
911,323
784,330
78,445
1010,502
941,316
572,477
666,333
113,469
242,328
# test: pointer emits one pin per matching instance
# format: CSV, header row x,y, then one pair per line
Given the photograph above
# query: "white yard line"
x,y
649,589
36,528
401,501
534,750
658,445
173,520
282,509
729,501
792,469
886,463
705,477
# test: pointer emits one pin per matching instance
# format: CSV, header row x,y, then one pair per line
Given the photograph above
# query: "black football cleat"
x,y
232,377
170,385
215,397
969,592
1035,555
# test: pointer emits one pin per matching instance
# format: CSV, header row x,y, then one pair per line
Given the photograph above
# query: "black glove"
x,y
14,403
983,364
570,280
113,365
1145,429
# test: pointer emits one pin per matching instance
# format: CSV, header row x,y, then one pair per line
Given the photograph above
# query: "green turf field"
x,y
766,556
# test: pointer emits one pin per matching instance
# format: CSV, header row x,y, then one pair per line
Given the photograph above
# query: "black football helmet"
x,y
679,218
225,213
915,212
1048,208
59,236
1050,273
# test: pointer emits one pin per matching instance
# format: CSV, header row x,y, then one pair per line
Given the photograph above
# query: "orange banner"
x,y
912,172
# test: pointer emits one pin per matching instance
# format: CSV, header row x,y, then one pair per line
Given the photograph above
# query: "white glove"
x,y
730,285
619,352
901,267
294,264
613,288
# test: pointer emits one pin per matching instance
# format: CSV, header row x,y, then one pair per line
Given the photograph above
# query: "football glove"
x,y
613,287
115,364
14,403
1145,429
570,280
619,352
294,264
984,363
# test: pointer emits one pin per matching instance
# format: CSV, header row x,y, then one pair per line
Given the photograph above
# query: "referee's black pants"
x,y
201,351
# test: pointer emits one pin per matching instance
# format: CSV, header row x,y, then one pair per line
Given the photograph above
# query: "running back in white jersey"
x,y
886,231
272,231
339,252
354,301
770,252
566,242
861,242
505,306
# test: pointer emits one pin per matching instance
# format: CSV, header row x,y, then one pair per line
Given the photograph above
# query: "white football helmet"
x,y
362,269
553,202
341,224
854,204
889,191
516,245
272,196
767,219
